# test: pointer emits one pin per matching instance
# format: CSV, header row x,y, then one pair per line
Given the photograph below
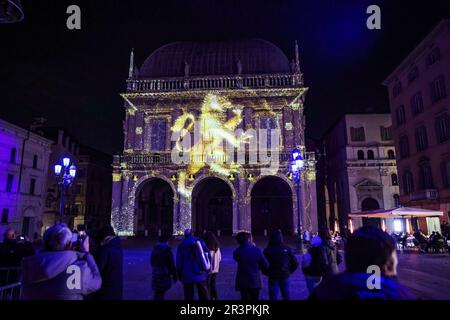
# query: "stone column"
x,y
245,212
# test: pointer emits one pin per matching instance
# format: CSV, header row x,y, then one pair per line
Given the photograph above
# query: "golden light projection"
x,y
213,130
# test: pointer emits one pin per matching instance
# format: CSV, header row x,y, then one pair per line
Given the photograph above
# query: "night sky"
x,y
73,78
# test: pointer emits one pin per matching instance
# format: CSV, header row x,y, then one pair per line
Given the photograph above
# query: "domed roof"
x,y
256,56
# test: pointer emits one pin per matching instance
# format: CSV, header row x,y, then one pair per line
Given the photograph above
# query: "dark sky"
x,y
73,78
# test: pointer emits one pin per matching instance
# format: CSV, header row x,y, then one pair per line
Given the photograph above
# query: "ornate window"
x,y
370,155
408,182
385,133
391,154
442,125
400,115
413,74
421,138
404,146
416,104
438,91
360,155
433,56
357,134
426,176
158,134
269,124
397,89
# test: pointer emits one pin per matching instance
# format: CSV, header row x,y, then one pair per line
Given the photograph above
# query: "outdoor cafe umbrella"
x,y
396,212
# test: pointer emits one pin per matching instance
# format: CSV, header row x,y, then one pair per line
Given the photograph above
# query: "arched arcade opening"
x,y
155,207
367,205
212,206
271,206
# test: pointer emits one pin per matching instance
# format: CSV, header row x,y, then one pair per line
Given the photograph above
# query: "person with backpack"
x,y
282,263
213,245
193,265
163,267
251,262
313,265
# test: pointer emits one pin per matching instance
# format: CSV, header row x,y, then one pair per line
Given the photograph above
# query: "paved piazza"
x,y
427,275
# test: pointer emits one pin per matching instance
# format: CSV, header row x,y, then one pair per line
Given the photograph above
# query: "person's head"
x,y
243,237
57,238
276,238
369,246
9,235
188,233
324,233
211,241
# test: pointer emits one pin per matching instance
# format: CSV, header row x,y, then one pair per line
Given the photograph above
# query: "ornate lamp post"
x,y
65,172
297,163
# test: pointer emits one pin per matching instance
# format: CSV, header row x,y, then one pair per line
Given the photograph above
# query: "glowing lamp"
x,y
58,169
299,162
72,171
66,162
398,225
295,154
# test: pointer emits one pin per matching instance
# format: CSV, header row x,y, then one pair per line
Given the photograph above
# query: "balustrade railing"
x,y
213,82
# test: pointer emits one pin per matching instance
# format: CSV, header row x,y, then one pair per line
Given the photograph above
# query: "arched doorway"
x,y
367,205
155,207
271,206
212,206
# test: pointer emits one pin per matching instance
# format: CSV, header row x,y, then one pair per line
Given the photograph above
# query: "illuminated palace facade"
x,y
208,136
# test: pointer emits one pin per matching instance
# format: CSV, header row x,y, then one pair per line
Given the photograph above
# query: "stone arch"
x,y
206,176
213,208
279,175
150,199
271,205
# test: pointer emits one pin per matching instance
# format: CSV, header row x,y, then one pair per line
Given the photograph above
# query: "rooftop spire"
x,y
297,59
131,69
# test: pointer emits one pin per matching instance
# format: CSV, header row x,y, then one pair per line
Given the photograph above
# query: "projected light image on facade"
x,y
208,141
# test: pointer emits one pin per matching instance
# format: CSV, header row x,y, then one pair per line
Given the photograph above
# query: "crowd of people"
x,y
51,273
435,242
368,246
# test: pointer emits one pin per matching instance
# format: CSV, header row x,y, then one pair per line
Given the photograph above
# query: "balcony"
x,y
215,82
427,194
165,158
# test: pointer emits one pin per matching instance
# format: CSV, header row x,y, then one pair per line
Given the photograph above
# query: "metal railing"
x,y
10,285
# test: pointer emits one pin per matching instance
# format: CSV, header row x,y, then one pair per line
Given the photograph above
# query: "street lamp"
x,y
297,163
65,172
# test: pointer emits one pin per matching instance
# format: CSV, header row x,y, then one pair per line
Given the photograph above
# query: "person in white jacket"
x,y
58,272
214,248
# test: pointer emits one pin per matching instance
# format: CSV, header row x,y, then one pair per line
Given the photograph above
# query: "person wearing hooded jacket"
x,y
57,272
189,268
109,258
282,263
